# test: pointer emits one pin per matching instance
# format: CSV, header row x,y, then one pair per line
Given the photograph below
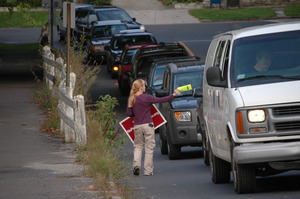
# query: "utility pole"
x,y
225,4
51,23
68,43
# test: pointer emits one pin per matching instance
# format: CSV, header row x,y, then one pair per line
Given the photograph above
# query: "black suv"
x,y
144,57
181,128
118,43
61,30
155,78
100,35
85,16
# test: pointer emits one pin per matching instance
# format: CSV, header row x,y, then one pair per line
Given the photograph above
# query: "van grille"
x,y
286,118
288,110
287,126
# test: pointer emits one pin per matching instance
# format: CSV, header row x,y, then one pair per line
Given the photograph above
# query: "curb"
x,y
248,19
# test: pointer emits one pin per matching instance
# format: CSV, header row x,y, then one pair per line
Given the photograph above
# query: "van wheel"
x,y
173,150
163,145
205,148
220,169
243,176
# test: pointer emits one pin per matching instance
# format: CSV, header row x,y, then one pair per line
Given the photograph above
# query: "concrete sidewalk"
x,y
150,12
153,12
32,164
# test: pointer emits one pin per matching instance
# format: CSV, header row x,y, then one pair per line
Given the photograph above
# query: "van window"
x,y
281,50
225,60
220,48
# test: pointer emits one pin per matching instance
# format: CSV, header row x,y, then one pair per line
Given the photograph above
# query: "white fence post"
x,y
46,53
69,132
80,121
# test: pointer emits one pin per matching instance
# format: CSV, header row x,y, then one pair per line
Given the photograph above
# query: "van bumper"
x,y
269,152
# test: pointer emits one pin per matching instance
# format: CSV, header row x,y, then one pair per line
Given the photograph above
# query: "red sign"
x,y
127,124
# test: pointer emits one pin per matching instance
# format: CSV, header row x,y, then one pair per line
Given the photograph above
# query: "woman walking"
x,y
139,107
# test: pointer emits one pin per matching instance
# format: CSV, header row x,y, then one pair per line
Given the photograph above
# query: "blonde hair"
x,y
137,84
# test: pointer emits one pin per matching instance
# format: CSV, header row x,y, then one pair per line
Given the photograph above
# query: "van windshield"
x,y
266,59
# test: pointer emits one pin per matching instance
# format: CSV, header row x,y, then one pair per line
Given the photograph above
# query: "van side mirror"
x,y
214,78
198,92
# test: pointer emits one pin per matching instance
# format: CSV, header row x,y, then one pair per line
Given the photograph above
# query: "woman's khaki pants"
x,y
144,137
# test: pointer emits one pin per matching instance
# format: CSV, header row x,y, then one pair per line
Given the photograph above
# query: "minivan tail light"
x,y
239,121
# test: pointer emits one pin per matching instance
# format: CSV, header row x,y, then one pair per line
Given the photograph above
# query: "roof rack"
x,y
132,31
108,22
103,6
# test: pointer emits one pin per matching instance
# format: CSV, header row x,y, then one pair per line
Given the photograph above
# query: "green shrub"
x,y
15,3
104,115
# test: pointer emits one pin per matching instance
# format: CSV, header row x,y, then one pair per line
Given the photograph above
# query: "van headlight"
x,y
256,116
184,116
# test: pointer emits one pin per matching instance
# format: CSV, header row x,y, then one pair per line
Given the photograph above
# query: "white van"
x,y
251,103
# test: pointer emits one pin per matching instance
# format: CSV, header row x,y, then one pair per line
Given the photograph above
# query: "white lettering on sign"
x,y
155,114
131,129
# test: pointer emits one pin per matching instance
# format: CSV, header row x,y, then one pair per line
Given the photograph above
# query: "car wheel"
x,y
220,169
75,42
163,144
122,88
120,84
113,75
125,92
108,66
61,37
173,150
243,175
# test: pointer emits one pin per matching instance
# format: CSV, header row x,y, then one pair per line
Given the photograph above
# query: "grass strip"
x,y
292,10
242,13
23,19
27,46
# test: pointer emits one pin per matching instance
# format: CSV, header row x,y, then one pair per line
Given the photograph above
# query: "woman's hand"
x,y
176,92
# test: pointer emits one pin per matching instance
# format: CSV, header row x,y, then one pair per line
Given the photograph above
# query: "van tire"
x,y
205,148
243,176
244,181
220,169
